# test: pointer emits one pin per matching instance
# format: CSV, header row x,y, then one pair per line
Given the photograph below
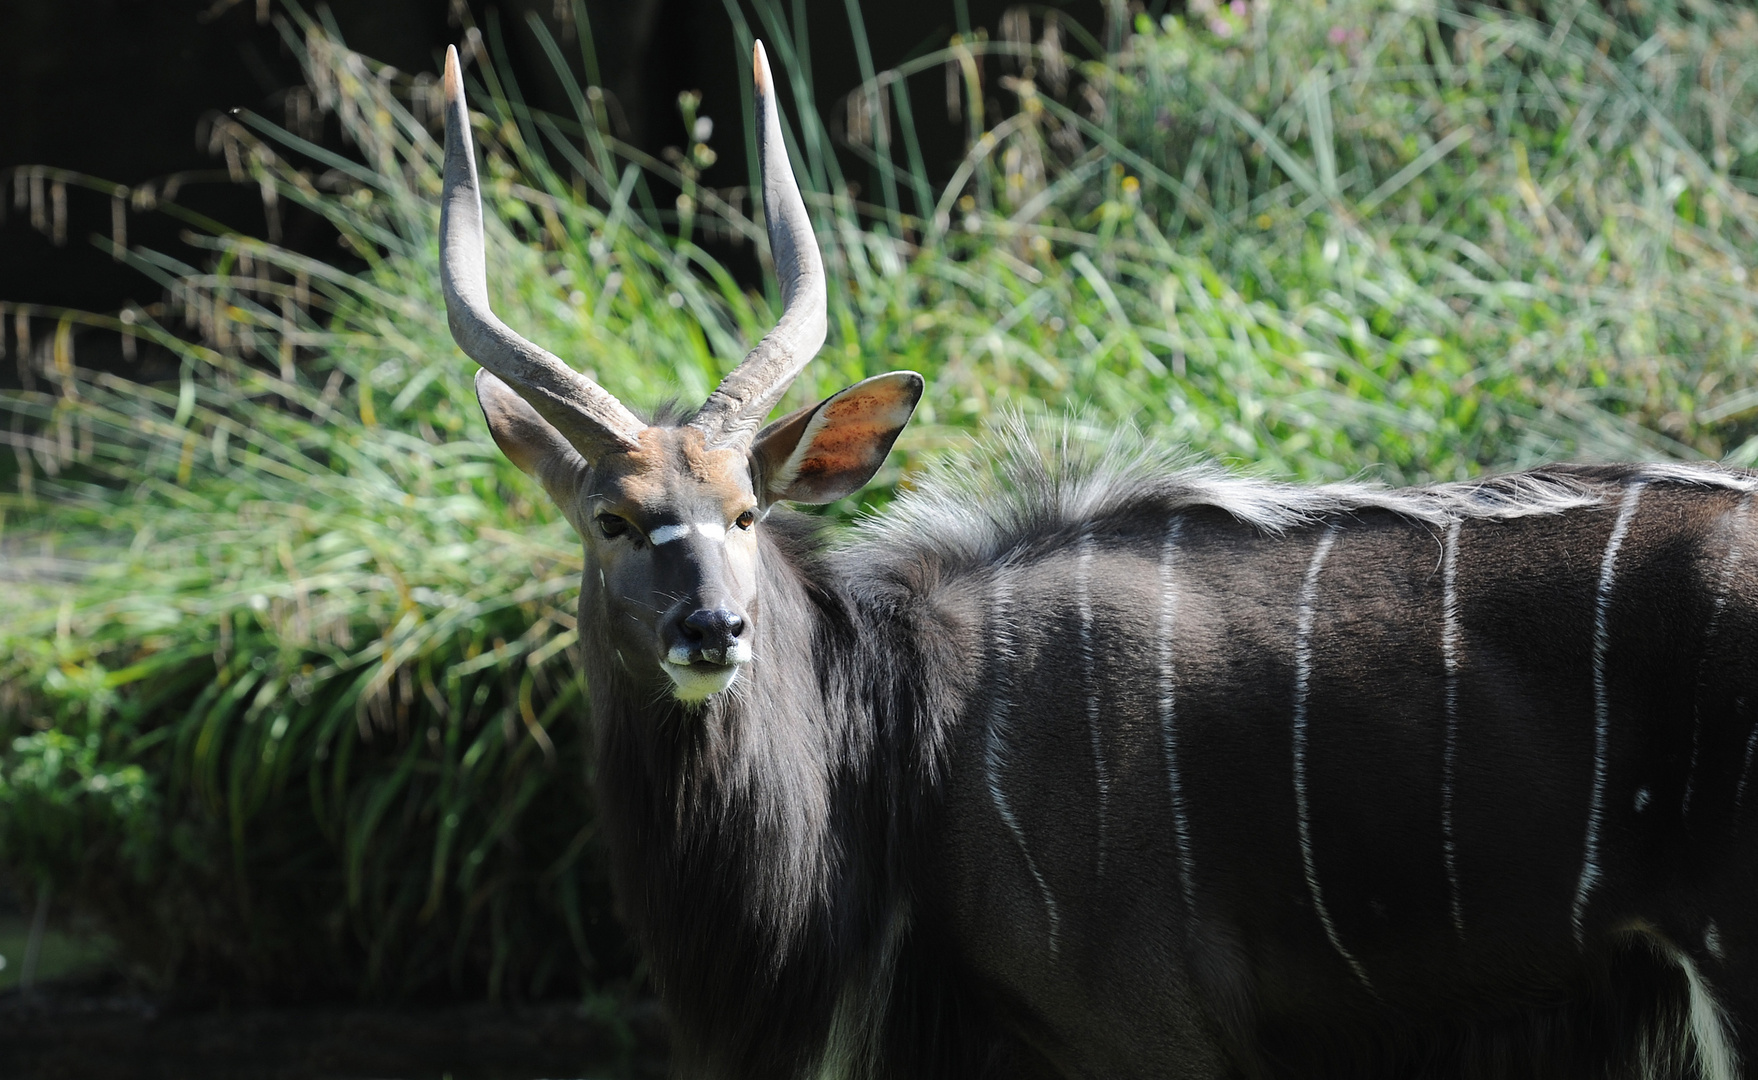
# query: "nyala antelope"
x,y
1140,770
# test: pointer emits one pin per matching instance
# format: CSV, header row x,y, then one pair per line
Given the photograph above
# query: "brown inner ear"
x,y
846,442
828,450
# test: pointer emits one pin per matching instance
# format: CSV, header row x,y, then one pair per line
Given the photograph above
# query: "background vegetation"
x,y
285,694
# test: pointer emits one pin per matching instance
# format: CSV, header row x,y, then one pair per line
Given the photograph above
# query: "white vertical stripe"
x,y
1737,526
1302,806
1746,769
1083,576
1168,712
1450,658
1000,706
1608,567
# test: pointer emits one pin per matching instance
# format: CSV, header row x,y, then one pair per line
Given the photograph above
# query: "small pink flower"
x,y
1220,27
1238,8
1338,35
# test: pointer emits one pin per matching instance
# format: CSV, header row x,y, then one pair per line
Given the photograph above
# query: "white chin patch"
x,y
693,683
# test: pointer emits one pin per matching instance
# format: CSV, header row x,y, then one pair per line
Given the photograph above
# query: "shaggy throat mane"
x,y
722,815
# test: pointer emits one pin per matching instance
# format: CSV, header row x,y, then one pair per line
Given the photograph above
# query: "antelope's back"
x,y
1388,763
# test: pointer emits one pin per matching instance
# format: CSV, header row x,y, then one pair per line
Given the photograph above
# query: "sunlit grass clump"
x,y
285,690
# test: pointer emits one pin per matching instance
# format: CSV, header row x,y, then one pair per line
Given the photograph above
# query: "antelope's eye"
x,y
611,525
746,519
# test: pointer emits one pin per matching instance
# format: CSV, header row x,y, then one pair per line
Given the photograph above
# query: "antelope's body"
x,y
1145,772
1447,782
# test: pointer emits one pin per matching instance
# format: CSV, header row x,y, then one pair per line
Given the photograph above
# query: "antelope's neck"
x,y
720,818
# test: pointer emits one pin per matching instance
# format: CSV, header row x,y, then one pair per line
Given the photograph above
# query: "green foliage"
x,y
62,799
284,677
1557,216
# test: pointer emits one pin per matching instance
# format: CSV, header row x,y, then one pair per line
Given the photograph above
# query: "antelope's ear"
x,y
529,440
828,450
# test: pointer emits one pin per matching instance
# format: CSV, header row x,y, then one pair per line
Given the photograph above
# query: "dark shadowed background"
x,y
121,89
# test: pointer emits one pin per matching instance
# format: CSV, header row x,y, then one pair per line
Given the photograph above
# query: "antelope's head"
x,y
670,514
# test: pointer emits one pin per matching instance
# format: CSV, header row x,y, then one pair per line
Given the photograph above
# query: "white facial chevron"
x,y
665,534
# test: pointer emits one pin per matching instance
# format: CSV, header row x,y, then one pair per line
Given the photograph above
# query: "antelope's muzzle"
x,y
705,649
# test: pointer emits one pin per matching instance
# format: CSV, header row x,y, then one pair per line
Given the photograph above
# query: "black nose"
x,y
713,628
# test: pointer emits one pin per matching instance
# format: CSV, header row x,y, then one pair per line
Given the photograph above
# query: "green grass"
x,y
284,677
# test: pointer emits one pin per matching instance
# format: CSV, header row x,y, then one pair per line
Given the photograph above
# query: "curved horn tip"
x,y
454,79
760,68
